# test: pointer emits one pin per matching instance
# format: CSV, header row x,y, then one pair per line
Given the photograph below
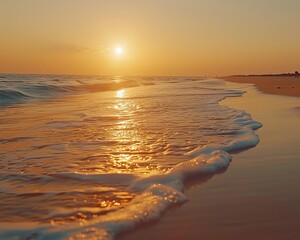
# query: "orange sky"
x,y
159,37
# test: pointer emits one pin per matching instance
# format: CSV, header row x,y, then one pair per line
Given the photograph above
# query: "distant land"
x,y
287,84
295,74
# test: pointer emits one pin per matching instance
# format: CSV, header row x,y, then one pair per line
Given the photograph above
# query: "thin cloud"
x,y
71,48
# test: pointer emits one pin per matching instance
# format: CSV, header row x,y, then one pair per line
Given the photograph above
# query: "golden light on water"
x,y
120,93
131,154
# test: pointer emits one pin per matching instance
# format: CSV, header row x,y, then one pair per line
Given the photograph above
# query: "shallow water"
x,y
256,197
87,157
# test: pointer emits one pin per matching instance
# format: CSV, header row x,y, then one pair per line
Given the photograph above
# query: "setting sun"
x,y
119,51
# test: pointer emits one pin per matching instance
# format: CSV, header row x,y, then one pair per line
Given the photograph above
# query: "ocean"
x,y
92,157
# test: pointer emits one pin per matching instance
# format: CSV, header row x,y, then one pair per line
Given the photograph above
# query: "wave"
x,y
11,96
21,90
156,193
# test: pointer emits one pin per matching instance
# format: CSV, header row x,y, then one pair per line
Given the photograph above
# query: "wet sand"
x,y
257,197
289,86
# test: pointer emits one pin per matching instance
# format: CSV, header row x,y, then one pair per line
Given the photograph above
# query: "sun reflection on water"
x,y
132,153
120,93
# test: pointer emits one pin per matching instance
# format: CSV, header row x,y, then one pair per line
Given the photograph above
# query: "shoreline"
x,y
253,198
278,85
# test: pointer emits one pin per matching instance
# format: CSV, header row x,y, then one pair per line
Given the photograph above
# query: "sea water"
x,y
91,157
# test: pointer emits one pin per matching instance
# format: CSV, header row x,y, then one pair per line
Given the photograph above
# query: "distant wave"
x,y
11,96
21,89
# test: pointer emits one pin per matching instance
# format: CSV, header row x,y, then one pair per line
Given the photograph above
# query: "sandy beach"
x,y
279,85
257,197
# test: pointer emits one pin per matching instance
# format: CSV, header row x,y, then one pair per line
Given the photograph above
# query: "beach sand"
x,y
258,196
289,86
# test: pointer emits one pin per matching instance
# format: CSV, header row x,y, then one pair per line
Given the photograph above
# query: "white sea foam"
x,y
161,193
245,137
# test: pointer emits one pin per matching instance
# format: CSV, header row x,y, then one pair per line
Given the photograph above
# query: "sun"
x,y
119,51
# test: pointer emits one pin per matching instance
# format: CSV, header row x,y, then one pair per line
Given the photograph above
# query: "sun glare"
x,y
120,93
119,51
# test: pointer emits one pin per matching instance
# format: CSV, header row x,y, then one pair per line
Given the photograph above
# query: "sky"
x,y
143,37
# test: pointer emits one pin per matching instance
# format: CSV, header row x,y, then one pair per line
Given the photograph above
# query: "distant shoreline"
x,y
278,84
296,74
